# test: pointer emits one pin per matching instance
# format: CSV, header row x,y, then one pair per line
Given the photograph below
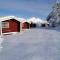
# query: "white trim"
x,y
9,33
1,29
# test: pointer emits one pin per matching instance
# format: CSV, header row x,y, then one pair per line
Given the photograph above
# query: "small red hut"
x,y
25,25
10,25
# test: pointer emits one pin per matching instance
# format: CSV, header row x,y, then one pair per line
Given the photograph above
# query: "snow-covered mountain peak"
x,y
37,20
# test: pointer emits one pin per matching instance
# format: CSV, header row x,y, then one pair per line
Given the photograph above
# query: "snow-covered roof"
x,y
11,17
14,17
33,19
26,21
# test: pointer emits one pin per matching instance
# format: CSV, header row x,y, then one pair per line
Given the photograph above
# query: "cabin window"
x,y
5,24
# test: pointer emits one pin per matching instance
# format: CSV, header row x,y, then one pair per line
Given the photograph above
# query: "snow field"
x,y
34,44
1,40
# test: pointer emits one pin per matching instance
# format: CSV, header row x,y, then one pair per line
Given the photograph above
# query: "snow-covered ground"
x,y
34,44
1,40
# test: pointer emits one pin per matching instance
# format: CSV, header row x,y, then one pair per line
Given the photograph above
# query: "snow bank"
x,y
35,44
1,40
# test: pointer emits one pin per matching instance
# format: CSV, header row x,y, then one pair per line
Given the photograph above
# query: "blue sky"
x,y
26,8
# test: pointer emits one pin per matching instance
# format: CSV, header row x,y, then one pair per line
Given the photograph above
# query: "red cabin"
x,y
25,25
11,25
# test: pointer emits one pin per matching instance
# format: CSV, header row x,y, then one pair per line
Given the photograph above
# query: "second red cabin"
x,y
25,25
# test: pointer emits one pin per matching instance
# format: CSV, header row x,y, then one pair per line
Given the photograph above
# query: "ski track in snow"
x,y
35,44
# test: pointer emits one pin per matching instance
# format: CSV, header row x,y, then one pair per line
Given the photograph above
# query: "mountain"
x,y
37,20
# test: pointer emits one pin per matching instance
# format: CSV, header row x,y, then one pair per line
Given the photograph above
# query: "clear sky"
x,y
26,8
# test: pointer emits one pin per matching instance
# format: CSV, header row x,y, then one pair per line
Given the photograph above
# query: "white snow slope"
x,y
35,44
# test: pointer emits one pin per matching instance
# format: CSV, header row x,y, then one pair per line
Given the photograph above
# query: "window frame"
x,y
5,24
